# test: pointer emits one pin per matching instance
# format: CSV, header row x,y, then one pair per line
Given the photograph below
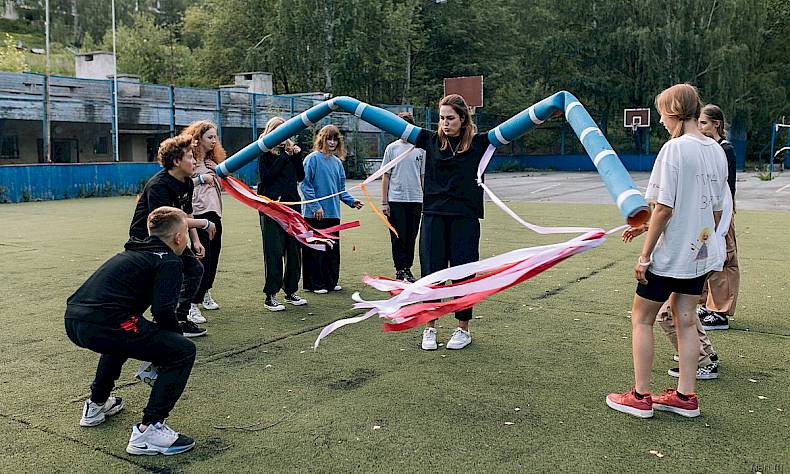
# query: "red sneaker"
x,y
669,401
628,403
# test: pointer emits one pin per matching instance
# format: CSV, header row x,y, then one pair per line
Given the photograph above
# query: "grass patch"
x,y
315,411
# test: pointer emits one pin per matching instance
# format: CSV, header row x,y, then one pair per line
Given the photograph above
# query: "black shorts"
x,y
659,288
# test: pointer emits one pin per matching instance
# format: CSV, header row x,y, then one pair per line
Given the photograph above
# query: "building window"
x,y
9,148
101,146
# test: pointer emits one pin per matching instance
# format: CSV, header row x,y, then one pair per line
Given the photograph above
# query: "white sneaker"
x,y
460,339
208,302
337,288
158,438
94,414
321,292
195,315
429,339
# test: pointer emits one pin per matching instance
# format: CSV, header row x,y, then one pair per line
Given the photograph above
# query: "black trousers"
x,y
171,353
211,259
193,272
279,250
321,268
447,241
405,218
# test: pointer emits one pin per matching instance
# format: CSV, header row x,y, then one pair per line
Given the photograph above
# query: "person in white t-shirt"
x,y
688,188
401,201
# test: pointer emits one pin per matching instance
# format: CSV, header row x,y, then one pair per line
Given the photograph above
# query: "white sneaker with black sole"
x,y
429,339
158,439
272,304
295,300
94,414
459,339
195,315
208,302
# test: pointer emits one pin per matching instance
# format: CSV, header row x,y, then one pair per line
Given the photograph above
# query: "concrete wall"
x,y
95,65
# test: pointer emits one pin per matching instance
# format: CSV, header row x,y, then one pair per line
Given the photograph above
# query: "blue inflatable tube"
x,y
618,182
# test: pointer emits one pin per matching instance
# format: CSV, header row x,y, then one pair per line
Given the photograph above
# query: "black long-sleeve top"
x,y
451,178
278,176
147,273
161,190
730,152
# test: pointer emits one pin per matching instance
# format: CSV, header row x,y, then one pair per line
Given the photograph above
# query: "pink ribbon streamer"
x,y
291,221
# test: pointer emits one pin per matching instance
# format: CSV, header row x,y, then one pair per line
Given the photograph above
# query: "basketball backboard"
x,y
469,87
636,118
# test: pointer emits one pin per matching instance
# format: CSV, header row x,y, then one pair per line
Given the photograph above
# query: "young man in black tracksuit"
x,y
173,187
105,315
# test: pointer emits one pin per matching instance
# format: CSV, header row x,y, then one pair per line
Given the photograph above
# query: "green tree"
x,y
150,51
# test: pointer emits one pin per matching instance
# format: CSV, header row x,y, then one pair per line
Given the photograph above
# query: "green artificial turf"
x,y
526,396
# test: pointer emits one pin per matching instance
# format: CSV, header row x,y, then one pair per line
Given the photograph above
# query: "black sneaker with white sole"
x,y
709,372
408,276
295,300
191,329
272,304
713,321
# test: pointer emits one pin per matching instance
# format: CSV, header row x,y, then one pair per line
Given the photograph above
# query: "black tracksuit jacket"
x,y
147,273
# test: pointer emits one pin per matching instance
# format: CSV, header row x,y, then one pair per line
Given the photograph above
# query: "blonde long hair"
x,y
468,128
681,102
330,131
273,123
197,130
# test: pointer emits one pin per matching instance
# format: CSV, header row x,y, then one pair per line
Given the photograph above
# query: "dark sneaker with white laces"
x,y
191,329
94,414
713,321
708,372
400,275
158,438
272,304
295,300
408,276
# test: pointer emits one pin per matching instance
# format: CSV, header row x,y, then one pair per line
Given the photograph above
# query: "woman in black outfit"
x,y
452,202
278,172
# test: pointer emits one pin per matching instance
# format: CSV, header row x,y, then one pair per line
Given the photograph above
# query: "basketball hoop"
x,y
636,118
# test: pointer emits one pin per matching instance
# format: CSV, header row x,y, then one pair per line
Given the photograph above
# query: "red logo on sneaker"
x,y
130,324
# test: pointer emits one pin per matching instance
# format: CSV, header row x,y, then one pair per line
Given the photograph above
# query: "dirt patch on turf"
x,y
357,378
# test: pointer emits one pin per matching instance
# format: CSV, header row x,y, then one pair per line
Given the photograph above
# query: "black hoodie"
x,y
147,273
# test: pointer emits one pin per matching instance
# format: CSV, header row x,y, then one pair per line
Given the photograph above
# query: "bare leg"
x,y
685,315
643,315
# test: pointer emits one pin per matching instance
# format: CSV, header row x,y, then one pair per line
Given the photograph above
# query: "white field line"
x,y
543,189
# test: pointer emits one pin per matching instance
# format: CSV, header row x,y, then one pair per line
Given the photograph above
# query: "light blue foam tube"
x,y
376,116
614,175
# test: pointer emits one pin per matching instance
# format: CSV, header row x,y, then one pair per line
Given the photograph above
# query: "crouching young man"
x,y
105,315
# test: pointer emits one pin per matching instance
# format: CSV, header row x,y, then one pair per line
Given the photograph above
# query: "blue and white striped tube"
x,y
614,175
381,118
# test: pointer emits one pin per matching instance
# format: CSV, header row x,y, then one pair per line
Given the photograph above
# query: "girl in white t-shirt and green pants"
x,y
688,188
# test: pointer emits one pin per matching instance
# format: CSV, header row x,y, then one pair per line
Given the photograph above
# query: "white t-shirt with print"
x,y
690,176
